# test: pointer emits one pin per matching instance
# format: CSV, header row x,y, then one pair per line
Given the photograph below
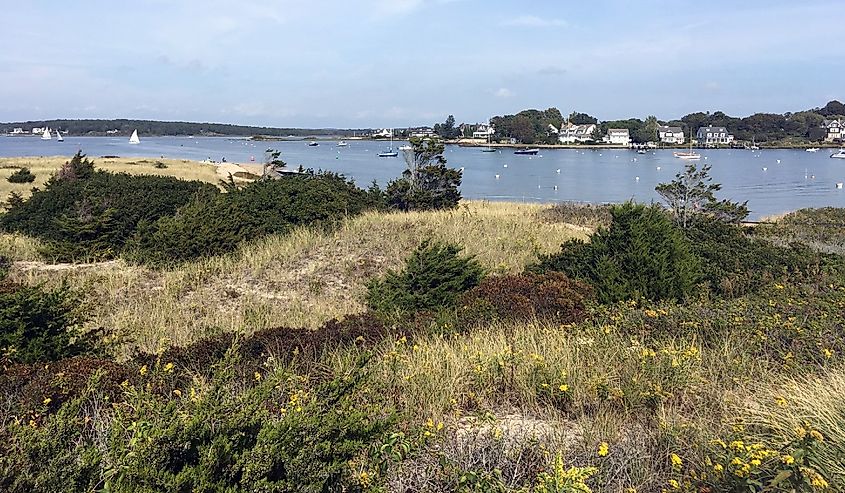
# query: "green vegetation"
x,y
661,355
433,278
22,175
528,126
426,184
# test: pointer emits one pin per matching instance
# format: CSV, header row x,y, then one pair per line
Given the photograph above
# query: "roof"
x,y
713,129
617,130
674,130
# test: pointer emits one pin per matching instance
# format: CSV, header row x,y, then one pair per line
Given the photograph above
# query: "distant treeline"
x,y
151,127
532,126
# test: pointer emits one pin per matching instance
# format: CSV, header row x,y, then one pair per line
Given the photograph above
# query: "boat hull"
x,y
527,152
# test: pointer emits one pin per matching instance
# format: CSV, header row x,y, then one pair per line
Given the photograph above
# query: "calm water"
x,y
772,181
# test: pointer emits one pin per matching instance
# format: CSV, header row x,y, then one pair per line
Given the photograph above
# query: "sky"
x,y
383,63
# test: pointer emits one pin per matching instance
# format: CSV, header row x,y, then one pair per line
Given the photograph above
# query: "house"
x,y
713,135
17,131
835,130
421,132
482,131
671,135
572,134
37,130
618,136
383,133
553,130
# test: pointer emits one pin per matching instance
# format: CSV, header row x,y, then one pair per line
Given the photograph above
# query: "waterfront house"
x,y
713,135
482,131
421,132
37,130
671,135
835,130
17,131
384,133
575,134
618,136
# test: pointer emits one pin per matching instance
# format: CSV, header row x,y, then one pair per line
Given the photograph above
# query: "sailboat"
x,y
46,135
688,156
59,137
389,152
134,139
489,148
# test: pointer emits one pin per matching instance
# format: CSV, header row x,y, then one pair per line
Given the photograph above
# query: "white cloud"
x,y
534,21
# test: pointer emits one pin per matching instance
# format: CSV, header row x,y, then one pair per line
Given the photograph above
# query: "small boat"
x,y
313,144
406,147
134,139
46,135
342,143
641,150
59,137
838,155
813,149
529,152
489,148
688,156
388,153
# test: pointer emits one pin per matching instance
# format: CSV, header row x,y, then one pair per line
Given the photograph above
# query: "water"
x,y
792,179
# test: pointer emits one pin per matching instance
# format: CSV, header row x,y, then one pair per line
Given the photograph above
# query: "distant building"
x,y
618,136
37,130
835,130
383,133
421,132
713,135
671,135
482,131
573,134
553,130
17,131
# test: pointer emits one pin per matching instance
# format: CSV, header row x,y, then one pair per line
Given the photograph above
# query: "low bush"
x,y
641,254
83,213
434,276
40,325
22,175
551,296
212,225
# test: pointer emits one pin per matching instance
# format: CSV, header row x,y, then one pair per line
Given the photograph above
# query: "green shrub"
x,y
212,225
83,213
551,296
39,325
426,184
641,254
433,278
22,175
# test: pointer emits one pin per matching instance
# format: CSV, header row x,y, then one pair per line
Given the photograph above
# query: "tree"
x,y
576,118
427,183
22,175
692,194
447,129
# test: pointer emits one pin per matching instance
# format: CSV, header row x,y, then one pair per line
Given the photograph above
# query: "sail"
x,y
59,136
134,139
46,134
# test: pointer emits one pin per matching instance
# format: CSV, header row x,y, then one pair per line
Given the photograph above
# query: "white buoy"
x,y
778,161
839,185
556,187
558,171
637,178
658,168
497,177
505,166
765,169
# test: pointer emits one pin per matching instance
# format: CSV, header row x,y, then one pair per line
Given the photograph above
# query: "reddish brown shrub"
x,y
551,296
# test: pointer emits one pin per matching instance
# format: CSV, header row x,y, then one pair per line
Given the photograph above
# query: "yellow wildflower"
x,y
718,468
47,401
827,353
563,387
677,462
780,401
143,370
603,449
817,436
788,459
650,313
257,376
168,367
674,484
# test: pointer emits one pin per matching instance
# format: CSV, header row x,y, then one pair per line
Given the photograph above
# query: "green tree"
x,y
22,175
576,118
426,183
692,194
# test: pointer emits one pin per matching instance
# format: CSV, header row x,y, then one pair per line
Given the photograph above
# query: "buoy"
x,y
637,178
765,169
778,161
558,171
658,168
505,166
556,187
839,185
497,177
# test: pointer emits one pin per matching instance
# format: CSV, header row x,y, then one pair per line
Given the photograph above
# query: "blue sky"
x,y
370,63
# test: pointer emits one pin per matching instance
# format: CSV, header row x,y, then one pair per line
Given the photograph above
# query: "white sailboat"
x,y
134,139
389,152
59,137
46,135
688,156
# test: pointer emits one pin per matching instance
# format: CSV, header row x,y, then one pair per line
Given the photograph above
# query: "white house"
x,y
37,130
421,132
713,135
482,131
618,136
671,135
572,134
384,133
17,131
835,130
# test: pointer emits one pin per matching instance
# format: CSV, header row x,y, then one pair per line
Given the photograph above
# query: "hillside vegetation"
x,y
490,347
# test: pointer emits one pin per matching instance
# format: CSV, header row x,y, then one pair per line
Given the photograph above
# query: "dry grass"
x,y
44,167
300,279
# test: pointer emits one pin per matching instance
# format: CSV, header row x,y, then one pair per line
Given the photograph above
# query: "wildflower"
x,y
737,445
32,423
47,401
718,468
780,401
801,431
817,436
563,387
364,479
827,353
178,392
779,286
650,313
143,370
674,484
257,376
677,462
788,459
168,368
603,449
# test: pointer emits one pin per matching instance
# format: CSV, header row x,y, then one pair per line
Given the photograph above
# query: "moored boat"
x,y
813,149
529,152
342,143
134,139
59,137
838,155
46,135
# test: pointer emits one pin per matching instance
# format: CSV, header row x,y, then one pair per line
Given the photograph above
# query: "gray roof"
x,y
713,129
674,130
